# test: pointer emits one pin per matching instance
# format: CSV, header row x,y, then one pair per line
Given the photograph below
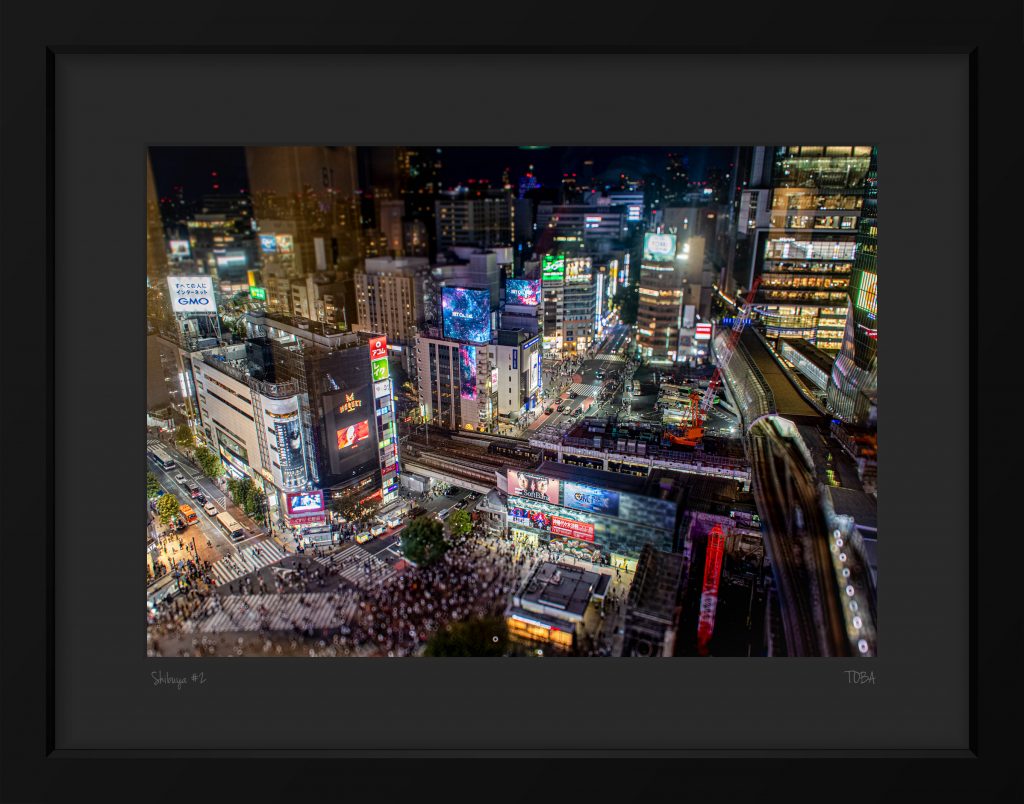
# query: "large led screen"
x,y
659,247
525,484
522,291
467,371
552,267
305,502
350,436
466,314
590,498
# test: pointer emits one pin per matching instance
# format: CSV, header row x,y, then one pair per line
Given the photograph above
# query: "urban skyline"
x,y
592,401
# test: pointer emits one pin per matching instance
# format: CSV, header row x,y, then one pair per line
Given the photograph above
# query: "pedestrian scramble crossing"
x,y
249,559
358,567
585,390
275,612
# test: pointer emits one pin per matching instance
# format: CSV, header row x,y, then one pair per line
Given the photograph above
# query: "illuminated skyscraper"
x,y
853,387
817,192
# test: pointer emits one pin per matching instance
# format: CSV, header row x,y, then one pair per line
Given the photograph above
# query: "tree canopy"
x,y
209,462
423,541
167,508
459,523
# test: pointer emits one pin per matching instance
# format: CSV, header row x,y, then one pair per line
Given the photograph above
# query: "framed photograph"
x,y
476,373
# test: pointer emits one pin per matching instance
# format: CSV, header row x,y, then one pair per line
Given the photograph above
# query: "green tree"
x,y
233,490
209,462
255,501
459,523
183,437
478,637
167,508
423,541
152,486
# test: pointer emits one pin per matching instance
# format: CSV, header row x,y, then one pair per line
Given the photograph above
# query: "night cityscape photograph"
x,y
520,401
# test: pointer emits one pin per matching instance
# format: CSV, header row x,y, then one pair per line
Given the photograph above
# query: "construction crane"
x,y
692,434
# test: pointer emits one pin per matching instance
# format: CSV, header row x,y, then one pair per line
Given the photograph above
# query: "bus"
x,y
188,514
163,460
229,525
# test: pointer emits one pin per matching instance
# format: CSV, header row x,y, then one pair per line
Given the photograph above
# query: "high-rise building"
x,y
157,306
305,203
810,248
569,291
454,382
483,221
670,293
582,228
853,386
390,297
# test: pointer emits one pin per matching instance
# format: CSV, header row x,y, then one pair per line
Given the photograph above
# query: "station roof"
x,y
788,400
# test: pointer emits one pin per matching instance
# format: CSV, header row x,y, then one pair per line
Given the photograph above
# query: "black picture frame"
x,y
989,33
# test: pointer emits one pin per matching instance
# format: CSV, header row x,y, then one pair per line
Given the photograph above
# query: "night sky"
x,y
193,168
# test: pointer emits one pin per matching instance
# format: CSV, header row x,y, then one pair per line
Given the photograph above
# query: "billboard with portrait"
x,y
192,294
659,247
352,435
285,243
529,518
466,314
590,498
467,372
527,484
304,503
522,291
268,243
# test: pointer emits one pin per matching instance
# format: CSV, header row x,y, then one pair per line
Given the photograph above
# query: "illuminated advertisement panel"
x,y
268,243
522,291
379,368
578,269
233,258
530,518
467,371
659,247
552,268
191,294
584,531
591,498
703,332
867,293
382,388
284,243
466,314
180,249
525,484
353,434
304,503
259,294
378,347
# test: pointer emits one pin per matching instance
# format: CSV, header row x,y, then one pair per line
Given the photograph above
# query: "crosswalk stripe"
x,y
277,612
247,560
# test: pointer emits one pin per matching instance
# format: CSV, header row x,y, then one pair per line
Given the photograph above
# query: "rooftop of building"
x,y
788,400
656,584
812,353
561,589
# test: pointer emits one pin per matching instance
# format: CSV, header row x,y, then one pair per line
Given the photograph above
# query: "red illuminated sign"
x,y
378,347
584,531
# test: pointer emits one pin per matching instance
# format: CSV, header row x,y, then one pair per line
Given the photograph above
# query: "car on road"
x,y
210,508
549,411
193,488
238,535
363,538
180,478
377,530
573,395
200,498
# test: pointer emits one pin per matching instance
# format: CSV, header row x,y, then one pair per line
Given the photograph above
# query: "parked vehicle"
x,y
210,508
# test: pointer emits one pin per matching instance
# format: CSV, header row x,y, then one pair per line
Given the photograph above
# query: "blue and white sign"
x,y
268,243
191,294
590,498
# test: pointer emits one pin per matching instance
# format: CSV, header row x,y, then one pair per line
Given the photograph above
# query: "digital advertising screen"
x,y
350,436
191,294
180,249
591,498
659,247
268,243
379,368
467,371
584,531
530,518
867,293
552,268
284,242
578,269
522,291
382,388
257,293
466,314
303,503
526,484
233,258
